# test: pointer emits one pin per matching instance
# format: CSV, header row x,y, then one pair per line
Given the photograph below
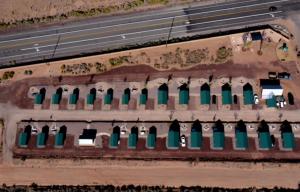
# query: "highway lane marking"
x,y
133,28
127,39
166,28
171,17
157,13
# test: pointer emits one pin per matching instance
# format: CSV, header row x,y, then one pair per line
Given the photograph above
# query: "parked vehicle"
x,y
34,129
255,97
272,75
284,75
182,141
280,102
123,132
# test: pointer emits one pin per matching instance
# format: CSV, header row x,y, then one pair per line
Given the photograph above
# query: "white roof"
x,y
86,142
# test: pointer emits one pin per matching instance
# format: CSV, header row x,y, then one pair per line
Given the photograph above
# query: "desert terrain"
x,y
135,65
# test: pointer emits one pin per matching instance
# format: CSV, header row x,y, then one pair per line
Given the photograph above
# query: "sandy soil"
x,y
234,175
152,56
12,10
15,10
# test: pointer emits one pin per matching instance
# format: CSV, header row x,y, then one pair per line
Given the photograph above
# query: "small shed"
x,y
241,140
90,99
218,140
41,140
38,99
264,140
271,102
59,140
23,139
205,94
114,140
144,97
256,36
173,139
73,99
55,99
288,140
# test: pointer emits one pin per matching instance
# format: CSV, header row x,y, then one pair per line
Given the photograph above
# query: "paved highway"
x,y
113,32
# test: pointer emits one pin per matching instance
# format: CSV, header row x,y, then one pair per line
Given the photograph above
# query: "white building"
x,y
270,88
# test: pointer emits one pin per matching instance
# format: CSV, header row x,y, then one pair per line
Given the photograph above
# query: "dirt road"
x,y
231,175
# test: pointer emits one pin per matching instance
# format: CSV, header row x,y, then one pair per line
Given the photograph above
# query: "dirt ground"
x,y
16,10
170,173
13,10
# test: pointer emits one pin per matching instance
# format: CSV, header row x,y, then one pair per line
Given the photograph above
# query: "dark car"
x,y
284,75
272,8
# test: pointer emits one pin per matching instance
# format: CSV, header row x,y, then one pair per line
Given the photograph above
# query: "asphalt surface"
x,y
118,31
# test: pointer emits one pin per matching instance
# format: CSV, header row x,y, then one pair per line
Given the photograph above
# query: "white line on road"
x,y
147,15
137,22
152,30
115,41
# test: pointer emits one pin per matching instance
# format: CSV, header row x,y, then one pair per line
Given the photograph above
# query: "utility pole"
x,y
58,39
170,31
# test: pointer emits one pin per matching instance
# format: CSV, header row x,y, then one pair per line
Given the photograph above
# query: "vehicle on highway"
x,y
255,98
182,141
272,8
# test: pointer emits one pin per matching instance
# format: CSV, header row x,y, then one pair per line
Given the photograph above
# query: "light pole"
x,y
170,31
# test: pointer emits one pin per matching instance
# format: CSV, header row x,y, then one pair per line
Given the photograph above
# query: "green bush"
x,y
118,60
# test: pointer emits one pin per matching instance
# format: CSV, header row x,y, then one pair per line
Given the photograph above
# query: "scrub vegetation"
x,y
36,11
34,187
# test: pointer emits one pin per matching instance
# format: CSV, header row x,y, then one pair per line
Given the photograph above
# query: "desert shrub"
x,y
8,75
152,2
115,61
223,54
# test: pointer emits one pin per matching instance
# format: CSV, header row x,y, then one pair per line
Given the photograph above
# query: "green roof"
x,y
59,139
108,99
23,139
218,139
288,140
226,97
241,140
90,99
125,99
264,140
114,139
38,99
271,102
55,98
73,99
173,139
248,97
205,97
196,139
132,140
184,96
162,97
143,99
41,139
151,140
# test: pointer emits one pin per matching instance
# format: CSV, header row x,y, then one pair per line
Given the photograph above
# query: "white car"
x,y
142,132
255,97
123,132
182,141
34,130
